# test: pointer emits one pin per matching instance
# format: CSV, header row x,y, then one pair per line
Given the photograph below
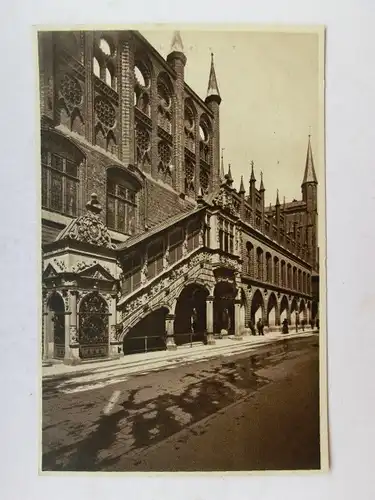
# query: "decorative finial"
x,y
93,205
261,187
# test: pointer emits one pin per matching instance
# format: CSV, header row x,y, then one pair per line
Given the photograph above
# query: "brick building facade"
x,y
166,249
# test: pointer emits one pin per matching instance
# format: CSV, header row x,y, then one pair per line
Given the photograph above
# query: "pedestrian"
x,y
252,327
303,324
260,327
317,323
285,326
297,322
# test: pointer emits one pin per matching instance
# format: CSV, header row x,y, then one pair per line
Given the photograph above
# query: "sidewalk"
x,y
115,370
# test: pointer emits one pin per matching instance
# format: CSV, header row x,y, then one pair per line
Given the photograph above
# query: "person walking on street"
x,y
285,326
260,327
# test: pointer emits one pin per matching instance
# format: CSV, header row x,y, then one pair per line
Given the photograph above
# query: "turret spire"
x,y
309,175
213,89
177,45
229,177
222,174
261,188
252,176
277,199
242,187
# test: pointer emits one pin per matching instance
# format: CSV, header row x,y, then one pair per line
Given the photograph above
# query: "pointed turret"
x,y
252,176
242,187
177,45
261,187
213,93
177,50
277,199
229,177
310,175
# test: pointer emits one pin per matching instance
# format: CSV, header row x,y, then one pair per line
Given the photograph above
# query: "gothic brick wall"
x,y
163,203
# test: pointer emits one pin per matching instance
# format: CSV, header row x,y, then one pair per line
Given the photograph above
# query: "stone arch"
x,y
148,333
303,309
55,325
257,307
293,311
190,313
284,309
272,311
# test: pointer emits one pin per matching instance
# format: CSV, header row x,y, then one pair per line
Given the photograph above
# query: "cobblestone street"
x,y
258,410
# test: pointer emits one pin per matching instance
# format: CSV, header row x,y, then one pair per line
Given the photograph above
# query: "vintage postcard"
x,y
183,321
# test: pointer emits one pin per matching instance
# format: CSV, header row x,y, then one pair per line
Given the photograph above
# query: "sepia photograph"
x,y
182,286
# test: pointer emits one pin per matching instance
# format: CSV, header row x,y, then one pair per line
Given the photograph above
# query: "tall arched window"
x,y
299,280
283,270
189,126
259,263
165,92
61,160
294,278
276,271
250,258
268,267
142,84
289,276
104,62
121,202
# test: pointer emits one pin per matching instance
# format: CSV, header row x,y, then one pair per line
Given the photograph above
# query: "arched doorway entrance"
x,y
284,310
272,312
93,327
257,307
149,334
224,295
57,325
190,320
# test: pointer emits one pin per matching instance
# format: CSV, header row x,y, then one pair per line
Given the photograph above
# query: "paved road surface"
x,y
252,411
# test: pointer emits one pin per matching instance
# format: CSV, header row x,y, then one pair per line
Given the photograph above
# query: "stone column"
x,y
210,320
113,351
237,325
169,322
71,336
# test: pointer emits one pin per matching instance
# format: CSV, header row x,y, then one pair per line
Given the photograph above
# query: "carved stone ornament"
x,y
89,228
224,200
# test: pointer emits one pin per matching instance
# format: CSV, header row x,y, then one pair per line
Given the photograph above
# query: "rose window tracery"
x,y
143,142
71,90
105,112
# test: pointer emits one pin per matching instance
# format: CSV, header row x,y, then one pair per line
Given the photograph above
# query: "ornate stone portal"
x,y
80,282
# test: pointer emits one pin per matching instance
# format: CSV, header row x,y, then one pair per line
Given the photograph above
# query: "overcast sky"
x,y
269,85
